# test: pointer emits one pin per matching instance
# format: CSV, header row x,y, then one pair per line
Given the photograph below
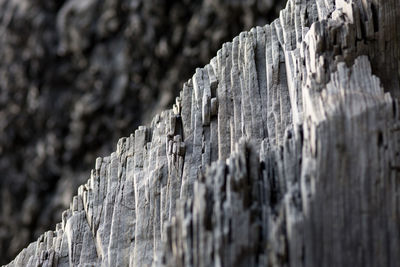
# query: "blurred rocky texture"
x,y
76,75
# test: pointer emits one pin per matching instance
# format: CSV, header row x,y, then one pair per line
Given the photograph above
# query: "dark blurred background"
x,y
76,75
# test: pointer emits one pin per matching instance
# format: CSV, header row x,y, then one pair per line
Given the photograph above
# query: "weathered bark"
x,y
303,142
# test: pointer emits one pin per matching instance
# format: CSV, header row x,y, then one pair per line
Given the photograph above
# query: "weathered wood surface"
x,y
283,151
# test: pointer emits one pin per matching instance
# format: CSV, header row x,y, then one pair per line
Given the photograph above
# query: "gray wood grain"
x,y
283,151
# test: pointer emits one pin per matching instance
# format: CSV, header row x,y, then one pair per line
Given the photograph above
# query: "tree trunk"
x,y
283,151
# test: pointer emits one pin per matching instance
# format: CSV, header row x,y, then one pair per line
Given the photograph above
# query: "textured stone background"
x,y
77,75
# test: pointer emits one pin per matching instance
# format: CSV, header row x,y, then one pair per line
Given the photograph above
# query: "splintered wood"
x,y
283,151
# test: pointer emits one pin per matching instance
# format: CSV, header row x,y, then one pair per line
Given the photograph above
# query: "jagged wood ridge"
x,y
303,144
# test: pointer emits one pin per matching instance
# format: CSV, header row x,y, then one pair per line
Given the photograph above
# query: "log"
x,y
283,151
